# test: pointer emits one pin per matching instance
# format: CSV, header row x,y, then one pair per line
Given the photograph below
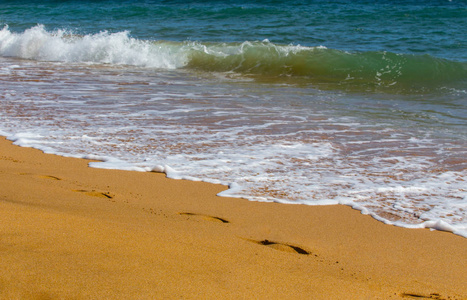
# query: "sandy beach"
x,y
68,231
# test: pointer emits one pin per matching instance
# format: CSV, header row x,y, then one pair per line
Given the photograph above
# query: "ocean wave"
x,y
324,65
118,48
261,60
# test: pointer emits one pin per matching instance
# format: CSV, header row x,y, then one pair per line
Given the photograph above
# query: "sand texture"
x,y
68,231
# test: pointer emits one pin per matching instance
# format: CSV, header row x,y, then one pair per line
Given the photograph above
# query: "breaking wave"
x,y
261,60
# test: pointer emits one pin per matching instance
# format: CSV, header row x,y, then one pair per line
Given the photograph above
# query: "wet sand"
x,y
70,231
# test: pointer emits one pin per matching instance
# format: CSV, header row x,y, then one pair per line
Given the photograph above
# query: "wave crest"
x,y
260,60
109,48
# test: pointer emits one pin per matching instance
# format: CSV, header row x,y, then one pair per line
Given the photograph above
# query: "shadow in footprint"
x,y
282,246
420,296
205,217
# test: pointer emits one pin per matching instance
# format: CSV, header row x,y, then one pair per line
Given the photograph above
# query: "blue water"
x,y
318,102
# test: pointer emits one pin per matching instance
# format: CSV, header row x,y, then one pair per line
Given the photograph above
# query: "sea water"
x,y
362,103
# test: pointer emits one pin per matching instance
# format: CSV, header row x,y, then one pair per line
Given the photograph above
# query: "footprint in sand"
x,y
205,217
96,193
275,245
282,246
8,158
49,177
41,176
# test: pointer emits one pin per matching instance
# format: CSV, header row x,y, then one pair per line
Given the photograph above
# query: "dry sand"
x,y
70,231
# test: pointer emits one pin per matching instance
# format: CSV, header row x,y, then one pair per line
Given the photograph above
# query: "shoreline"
x,y
71,231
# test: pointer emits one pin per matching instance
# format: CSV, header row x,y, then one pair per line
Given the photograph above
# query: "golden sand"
x,y
70,231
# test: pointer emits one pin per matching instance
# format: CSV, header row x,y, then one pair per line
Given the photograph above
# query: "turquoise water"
x,y
316,102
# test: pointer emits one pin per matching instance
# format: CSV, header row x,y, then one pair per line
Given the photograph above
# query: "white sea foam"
x,y
119,48
110,48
